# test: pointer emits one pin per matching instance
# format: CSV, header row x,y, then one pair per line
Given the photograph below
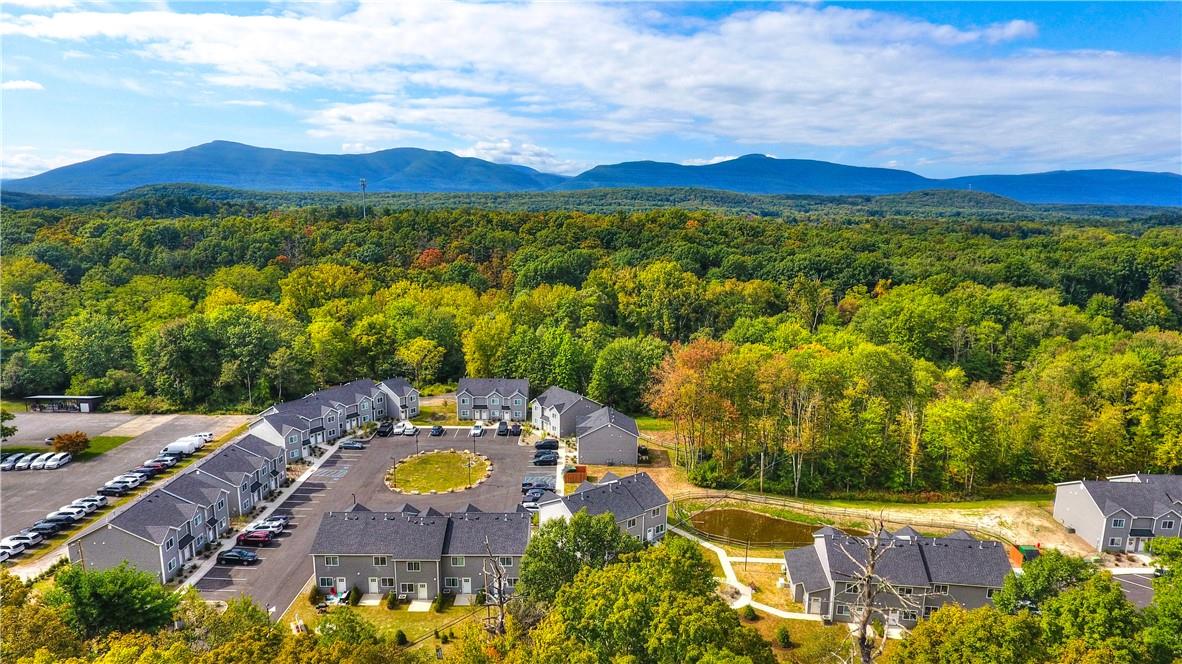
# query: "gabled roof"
x,y
804,567
625,498
402,536
231,464
481,387
966,562
609,476
399,386
906,531
506,533
1149,497
259,447
285,422
195,489
960,535
154,516
603,417
340,397
563,401
901,561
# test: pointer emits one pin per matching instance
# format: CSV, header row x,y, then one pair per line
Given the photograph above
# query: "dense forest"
x,y
855,346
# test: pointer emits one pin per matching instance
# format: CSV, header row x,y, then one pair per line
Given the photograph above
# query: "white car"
x,y
399,427
4,555
410,430
26,539
88,507
72,514
134,479
82,510
477,431
207,436
12,550
58,460
25,461
39,462
96,500
267,526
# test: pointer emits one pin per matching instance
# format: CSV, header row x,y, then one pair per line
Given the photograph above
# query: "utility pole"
x,y
363,183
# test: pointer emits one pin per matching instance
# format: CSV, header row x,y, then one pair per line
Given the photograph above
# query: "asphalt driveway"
x,y
359,475
1138,588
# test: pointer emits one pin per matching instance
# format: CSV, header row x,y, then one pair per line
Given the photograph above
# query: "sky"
x,y
939,88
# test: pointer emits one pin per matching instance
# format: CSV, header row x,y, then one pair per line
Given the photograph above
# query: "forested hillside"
x,y
859,351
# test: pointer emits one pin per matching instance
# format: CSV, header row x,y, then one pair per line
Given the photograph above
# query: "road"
x,y
1138,588
29,495
350,475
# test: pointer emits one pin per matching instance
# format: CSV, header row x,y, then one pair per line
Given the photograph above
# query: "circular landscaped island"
x,y
438,471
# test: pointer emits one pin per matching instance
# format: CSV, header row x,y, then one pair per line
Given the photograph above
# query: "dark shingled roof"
x,y
154,516
195,489
259,447
564,400
1151,498
506,533
901,563
481,387
804,567
906,531
402,536
960,535
603,417
625,497
398,386
231,464
965,562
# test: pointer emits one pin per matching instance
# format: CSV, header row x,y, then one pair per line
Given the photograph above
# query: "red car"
x,y
256,538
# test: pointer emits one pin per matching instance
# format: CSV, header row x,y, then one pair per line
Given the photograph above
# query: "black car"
x,y
46,528
532,495
352,445
150,471
547,444
237,556
502,428
113,491
515,429
385,428
437,430
546,461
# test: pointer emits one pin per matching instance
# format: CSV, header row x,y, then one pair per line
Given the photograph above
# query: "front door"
x,y
893,618
649,535
815,605
373,585
466,586
422,591
342,585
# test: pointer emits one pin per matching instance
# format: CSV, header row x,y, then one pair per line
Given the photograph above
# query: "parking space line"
x,y
1126,579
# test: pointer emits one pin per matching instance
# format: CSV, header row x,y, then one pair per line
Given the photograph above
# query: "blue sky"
x,y
943,88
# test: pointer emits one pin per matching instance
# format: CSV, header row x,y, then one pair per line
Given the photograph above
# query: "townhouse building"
x,y
557,411
492,399
638,505
244,475
1122,513
926,573
607,437
419,554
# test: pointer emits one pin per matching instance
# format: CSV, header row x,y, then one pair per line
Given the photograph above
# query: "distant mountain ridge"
x,y
223,163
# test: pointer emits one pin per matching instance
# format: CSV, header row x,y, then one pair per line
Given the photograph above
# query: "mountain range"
x,y
229,164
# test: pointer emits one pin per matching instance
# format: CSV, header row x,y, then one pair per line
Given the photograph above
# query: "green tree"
x,y
424,357
93,344
1094,611
246,344
180,360
116,599
344,625
1163,617
1041,579
624,370
561,548
6,431
980,636
484,344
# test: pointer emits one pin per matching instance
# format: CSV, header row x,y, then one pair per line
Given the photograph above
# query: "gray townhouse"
x,y
157,534
329,414
418,554
557,411
492,399
927,572
1123,513
607,437
639,506
212,500
243,474
274,471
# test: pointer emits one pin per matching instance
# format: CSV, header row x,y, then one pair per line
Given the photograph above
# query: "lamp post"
x,y
394,472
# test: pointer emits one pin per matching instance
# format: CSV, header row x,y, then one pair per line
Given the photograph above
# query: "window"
x,y
197,521
414,566
463,401
387,582
849,587
332,561
380,399
332,418
364,405
1114,541
324,582
1167,525
911,616
294,454
495,401
512,581
843,610
656,512
989,593
451,582
631,523
1118,523
244,485
904,591
168,544
660,528
379,561
940,589
222,504
171,564
294,440
465,414
414,397
517,402
517,414
457,561
505,561
406,588
929,610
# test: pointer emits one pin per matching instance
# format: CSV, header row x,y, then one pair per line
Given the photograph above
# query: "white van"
x,y
181,447
39,462
58,460
197,441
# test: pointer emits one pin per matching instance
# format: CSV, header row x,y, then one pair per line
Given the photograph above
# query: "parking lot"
x,y
1138,588
29,495
359,474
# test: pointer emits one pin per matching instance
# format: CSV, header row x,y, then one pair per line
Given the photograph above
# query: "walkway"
x,y
744,590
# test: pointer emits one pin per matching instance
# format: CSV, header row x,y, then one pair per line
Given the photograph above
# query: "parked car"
x,y
10,461
515,429
63,516
255,538
99,501
410,430
277,518
502,428
530,505
477,431
352,445
397,427
26,461
114,489
46,528
264,526
385,428
207,436
168,461
39,462
27,539
86,508
545,484
237,556
545,461
148,471
197,441
437,431
58,460
133,478
546,444
13,550
4,555
180,448
159,466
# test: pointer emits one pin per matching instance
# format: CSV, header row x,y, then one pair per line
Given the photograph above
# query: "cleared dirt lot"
x,y
26,496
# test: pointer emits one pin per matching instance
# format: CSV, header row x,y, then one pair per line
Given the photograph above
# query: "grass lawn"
x,y
437,414
389,621
12,406
811,641
438,471
648,423
98,445
762,578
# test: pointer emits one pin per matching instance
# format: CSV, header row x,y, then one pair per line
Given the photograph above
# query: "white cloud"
x,y
505,151
254,103
793,75
357,148
708,160
21,85
24,160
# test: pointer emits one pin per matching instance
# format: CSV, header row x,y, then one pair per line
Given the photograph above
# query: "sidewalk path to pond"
x,y
744,590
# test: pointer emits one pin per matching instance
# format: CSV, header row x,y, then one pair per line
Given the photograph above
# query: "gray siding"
x,y
1074,508
609,446
643,522
482,408
474,568
357,571
107,547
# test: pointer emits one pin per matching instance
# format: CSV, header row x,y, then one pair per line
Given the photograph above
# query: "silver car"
x,y
25,461
39,462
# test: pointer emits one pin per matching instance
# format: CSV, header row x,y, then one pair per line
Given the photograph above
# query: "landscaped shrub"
x,y
444,640
392,600
74,443
400,638
315,596
354,596
480,597
748,613
783,638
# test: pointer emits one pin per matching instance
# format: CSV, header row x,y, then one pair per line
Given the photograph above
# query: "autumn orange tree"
x,y
75,442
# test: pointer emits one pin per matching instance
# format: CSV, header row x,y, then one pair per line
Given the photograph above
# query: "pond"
x,y
744,526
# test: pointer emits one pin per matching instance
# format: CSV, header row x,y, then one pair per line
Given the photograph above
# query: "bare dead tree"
x,y
493,569
874,592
